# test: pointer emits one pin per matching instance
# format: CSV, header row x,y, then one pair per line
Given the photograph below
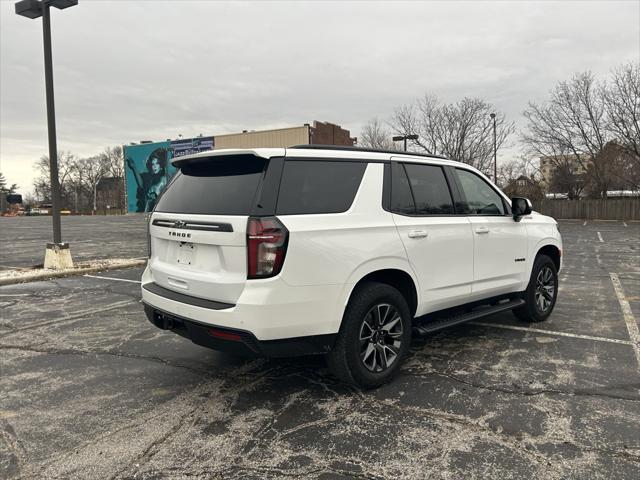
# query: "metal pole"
x,y
51,120
405,143
495,153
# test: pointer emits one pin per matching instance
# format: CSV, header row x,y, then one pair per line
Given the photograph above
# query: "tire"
x,y
541,293
366,353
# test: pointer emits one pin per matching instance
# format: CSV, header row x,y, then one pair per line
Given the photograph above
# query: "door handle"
x,y
418,234
482,230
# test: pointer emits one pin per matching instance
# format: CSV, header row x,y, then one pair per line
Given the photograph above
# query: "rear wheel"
x,y
374,337
541,293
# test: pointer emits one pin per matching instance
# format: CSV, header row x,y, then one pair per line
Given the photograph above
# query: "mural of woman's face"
x,y
155,165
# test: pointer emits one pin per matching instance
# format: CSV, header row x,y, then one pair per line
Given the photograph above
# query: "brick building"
x,y
320,133
110,194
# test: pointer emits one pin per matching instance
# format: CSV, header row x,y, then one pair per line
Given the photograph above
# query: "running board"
x,y
427,327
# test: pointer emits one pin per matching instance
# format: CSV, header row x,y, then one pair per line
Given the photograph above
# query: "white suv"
x,y
340,251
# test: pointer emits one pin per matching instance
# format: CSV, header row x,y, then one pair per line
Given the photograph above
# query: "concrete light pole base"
x,y
58,256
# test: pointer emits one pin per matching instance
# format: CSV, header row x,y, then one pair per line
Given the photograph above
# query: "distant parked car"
x,y
341,252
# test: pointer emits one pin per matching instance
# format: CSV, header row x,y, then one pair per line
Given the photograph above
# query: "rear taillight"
x,y
266,246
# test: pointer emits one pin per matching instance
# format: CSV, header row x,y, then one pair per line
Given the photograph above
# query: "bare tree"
x,y
42,183
512,169
622,104
566,179
461,131
92,170
572,129
114,159
29,201
375,135
79,177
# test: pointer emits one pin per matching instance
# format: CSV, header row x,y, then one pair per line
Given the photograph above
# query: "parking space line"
x,y
585,223
600,237
112,278
629,319
550,332
625,224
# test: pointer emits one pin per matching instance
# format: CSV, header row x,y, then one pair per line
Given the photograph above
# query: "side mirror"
x,y
520,206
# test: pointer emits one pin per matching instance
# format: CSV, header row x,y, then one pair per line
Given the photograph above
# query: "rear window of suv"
x,y
315,186
220,186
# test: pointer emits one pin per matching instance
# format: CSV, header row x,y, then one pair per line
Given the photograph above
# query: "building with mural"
x,y
148,166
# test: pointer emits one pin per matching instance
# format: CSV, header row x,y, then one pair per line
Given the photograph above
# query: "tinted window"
x,y
430,190
215,187
401,198
312,186
481,198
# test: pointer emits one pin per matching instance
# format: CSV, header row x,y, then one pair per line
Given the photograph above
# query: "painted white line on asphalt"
x,y
549,332
629,319
585,222
112,278
600,237
625,224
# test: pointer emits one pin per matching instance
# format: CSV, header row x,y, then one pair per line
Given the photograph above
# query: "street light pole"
x,y
495,150
404,139
51,122
57,255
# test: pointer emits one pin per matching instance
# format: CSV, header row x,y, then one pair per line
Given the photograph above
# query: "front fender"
x,y
536,247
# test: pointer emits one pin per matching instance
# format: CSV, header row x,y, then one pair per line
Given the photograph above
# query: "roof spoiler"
x,y
212,155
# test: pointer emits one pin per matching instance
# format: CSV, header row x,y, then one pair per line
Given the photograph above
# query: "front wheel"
x,y
374,337
541,293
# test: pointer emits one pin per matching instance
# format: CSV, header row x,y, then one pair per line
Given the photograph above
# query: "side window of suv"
x,y
481,198
420,190
316,186
401,197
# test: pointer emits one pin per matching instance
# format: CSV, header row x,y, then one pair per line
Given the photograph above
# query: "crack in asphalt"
x,y
281,473
70,351
147,454
511,440
11,440
72,317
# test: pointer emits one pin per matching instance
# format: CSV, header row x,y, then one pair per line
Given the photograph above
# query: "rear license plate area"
x,y
186,253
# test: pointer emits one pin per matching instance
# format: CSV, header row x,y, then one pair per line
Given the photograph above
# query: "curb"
x,y
40,275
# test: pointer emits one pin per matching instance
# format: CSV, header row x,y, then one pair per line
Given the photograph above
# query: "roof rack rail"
x,y
361,149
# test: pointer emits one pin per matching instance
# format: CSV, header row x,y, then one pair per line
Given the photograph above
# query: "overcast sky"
x,y
131,70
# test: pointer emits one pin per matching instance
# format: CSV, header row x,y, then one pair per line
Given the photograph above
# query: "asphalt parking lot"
x,y
90,389
23,239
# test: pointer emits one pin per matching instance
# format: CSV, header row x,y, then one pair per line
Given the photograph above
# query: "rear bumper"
x,y
269,309
238,342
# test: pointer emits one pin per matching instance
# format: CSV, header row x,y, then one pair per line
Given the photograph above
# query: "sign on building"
x,y
148,168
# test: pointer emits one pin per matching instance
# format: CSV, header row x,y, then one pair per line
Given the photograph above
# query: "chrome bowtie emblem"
x,y
179,224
